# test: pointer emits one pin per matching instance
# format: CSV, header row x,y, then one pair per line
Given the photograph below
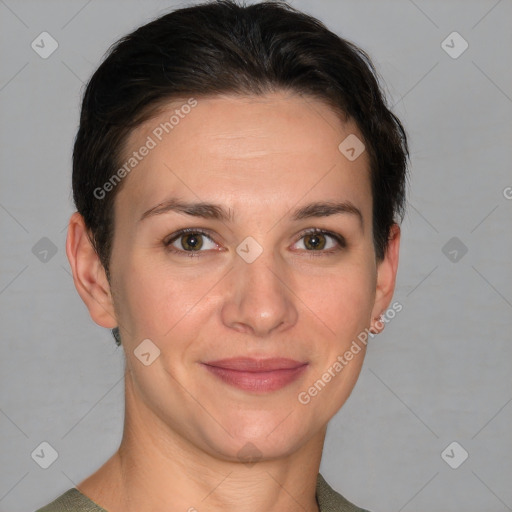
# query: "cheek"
x,y
345,300
159,299
145,292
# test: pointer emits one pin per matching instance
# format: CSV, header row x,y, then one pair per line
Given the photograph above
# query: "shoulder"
x,y
331,501
71,501
328,501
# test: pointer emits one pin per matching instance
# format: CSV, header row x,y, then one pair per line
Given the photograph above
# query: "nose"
x,y
259,299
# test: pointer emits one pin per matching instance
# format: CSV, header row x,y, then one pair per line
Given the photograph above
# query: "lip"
x,y
257,375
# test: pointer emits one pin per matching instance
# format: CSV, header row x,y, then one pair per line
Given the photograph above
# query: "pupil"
x,y
192,241
315,242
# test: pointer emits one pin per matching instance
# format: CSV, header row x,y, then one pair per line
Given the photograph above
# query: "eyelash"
x,y
197,231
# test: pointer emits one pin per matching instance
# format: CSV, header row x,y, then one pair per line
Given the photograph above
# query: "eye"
x,y
189,241
318,240
192,240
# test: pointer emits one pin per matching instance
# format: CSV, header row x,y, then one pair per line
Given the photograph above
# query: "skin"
x,y
260,157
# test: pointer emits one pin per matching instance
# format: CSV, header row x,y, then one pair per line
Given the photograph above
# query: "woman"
x,y
238,181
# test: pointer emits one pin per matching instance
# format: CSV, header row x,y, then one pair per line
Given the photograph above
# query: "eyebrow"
x,y
218,212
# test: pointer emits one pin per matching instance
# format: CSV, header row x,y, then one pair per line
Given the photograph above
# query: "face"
x,y
275,277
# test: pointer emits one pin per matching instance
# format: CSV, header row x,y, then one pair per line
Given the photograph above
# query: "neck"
x,y
156,468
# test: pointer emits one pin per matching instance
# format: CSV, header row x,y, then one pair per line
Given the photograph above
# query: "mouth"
x,y
257,375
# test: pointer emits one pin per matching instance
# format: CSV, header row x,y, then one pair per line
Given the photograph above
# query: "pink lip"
x,y
257,374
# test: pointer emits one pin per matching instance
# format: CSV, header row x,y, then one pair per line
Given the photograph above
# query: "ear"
x,y
88,273
386,278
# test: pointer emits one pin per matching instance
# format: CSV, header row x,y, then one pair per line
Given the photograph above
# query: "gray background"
x,y
439,373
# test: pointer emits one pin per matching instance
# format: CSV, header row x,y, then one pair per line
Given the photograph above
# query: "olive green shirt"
x,y
328,501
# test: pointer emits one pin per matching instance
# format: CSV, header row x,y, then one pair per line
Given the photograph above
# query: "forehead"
x,y
253,150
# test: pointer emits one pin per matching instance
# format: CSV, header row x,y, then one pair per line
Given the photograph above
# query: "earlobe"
x,y
386,279
88,273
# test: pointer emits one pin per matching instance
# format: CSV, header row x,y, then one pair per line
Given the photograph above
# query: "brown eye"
x,y
317,240
189,241
314,241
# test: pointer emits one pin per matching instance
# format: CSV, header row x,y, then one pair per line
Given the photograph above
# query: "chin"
x,y
260,440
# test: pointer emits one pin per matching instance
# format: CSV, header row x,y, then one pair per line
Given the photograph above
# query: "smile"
x,y
257,375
